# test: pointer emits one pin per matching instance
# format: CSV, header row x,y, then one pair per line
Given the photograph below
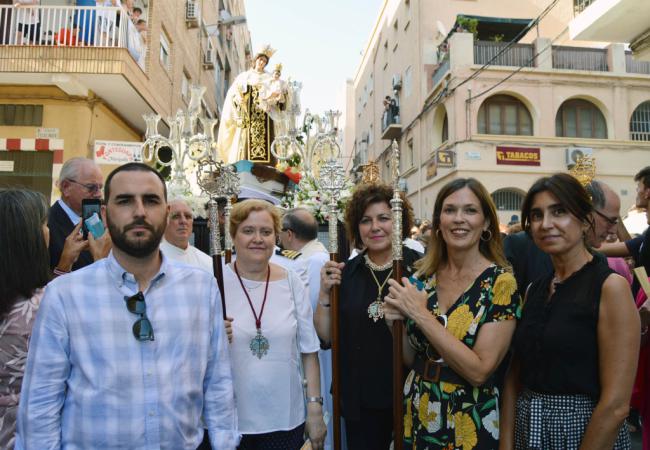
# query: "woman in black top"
x,y
366,342
577,343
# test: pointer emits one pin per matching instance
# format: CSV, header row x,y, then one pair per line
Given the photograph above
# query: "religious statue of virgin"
x,y
247,125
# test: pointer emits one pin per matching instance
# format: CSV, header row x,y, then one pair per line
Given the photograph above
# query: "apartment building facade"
x,y
442,79
85,75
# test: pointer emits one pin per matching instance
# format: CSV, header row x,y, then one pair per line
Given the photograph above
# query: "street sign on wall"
x,y
518,156
445,158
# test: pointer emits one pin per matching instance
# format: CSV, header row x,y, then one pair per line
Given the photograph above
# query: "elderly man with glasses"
x,y
131,352
80,179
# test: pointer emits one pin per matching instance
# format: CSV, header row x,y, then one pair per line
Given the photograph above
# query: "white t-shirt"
x,y
191,255
268,390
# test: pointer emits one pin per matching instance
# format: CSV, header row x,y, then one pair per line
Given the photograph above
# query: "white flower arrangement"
x,y
196,203
309,196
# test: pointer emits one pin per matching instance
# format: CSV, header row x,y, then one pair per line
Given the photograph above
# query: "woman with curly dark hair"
x,y
366,342
24,270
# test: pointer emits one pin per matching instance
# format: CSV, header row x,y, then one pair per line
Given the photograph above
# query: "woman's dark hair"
x,y
567,190
25,261
491,248
364,196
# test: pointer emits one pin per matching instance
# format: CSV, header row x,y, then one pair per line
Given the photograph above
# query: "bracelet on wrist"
x,y
58,272
315,400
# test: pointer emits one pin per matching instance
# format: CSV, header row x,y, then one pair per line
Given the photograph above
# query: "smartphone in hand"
x,y
91,210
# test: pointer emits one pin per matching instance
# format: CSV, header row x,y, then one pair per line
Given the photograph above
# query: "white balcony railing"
x,y
71,26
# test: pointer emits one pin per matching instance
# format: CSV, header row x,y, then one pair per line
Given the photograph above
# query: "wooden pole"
x,y
215,250
336,382
398,372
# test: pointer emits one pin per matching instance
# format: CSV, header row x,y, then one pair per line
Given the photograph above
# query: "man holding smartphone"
x,y
80,179
129,352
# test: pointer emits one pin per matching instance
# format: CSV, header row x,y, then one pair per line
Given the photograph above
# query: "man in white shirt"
x,y
176,242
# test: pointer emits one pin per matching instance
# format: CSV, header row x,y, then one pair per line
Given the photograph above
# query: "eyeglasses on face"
x,y
90,187
142,329
609,220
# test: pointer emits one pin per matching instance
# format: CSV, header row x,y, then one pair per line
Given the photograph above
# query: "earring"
x,y
485,239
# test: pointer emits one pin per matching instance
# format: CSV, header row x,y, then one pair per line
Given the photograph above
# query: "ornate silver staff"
x,y
211,181
332,181
231,189
398,325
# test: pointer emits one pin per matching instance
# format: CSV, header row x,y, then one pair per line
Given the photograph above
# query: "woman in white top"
x,y
272,330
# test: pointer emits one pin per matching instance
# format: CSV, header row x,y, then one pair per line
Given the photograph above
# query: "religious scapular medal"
x,y
259,344
376,308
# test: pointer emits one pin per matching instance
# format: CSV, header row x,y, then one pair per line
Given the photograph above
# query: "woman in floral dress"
x,y
460,310
24,270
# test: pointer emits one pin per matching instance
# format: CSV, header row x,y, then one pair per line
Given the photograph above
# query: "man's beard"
x,y
140,248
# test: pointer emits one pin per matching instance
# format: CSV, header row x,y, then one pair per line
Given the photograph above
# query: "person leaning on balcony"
x,y
29,26
577,343
460,309
366,349
107,21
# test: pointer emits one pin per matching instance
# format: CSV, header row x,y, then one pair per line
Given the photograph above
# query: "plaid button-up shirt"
x,y
89,384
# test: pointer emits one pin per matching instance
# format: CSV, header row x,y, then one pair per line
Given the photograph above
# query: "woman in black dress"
x,y
366,342
577,343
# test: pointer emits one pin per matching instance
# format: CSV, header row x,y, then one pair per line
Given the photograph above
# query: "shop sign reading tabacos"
x,y
518,156
116,152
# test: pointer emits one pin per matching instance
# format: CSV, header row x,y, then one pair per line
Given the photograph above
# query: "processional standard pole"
x,y
231,189
398,325
210,178
332,180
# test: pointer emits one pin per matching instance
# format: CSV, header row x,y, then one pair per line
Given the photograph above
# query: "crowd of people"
x,y
530,340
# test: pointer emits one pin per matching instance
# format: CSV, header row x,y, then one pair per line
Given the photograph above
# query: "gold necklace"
x,y
376,308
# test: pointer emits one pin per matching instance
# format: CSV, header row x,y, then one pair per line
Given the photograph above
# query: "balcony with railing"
x,y
634,66
50,28
441,71
580,58
501,54
81,50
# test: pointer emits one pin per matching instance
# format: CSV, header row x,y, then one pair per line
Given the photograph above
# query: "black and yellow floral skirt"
x,y
440,415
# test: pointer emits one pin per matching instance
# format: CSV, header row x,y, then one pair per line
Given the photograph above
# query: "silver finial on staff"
x,y
210,179
396,203
231,188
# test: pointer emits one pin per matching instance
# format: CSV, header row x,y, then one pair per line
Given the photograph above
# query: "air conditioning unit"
x,y
191,13
397,81
208,59
574,153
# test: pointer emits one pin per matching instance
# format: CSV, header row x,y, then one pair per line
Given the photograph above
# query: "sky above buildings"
x,y
319,43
